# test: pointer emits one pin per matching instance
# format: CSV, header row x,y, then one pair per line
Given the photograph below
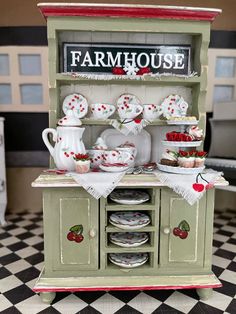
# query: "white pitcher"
x,y
68,142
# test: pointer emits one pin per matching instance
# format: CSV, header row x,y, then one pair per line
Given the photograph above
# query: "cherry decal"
x,y
75,234
199,187
182,230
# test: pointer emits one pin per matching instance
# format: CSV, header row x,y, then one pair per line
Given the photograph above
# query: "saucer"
x,y
129,220
128,260
128,239
76,102
114,167
129,196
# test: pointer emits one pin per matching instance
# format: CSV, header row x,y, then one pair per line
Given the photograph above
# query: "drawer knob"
x,y
92,233
166,230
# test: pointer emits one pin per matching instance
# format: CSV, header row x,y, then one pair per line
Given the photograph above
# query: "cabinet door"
x,y
181,248
71,230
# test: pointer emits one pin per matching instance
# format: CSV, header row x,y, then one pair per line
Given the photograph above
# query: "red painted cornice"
x,y
128,11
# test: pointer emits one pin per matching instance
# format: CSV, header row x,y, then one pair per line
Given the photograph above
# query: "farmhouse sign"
x,y
102,58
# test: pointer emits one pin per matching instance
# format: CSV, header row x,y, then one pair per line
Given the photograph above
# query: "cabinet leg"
x,y
204,293
47,297
2,214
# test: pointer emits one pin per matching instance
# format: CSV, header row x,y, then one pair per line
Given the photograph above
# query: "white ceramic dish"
x,y
128,99
181,144
128,239
114,138
113,168
76,102
129,197
180,170
174,106
128,260
129,220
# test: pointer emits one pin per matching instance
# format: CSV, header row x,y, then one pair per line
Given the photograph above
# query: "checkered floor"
x,y
21,258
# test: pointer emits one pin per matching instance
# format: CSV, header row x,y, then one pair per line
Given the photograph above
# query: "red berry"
x,y
183,234
118,71
71,236
79,238
198,187
176,231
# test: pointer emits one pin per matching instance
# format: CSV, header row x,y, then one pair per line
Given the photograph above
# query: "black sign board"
x,y
101,58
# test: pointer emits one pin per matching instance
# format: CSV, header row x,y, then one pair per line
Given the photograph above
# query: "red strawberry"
x,y
198,187
144,70
118,71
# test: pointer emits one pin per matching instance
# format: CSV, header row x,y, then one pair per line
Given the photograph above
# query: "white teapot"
x,y
68,141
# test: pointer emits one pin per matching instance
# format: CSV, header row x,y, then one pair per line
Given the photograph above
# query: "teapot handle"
x,y
46,141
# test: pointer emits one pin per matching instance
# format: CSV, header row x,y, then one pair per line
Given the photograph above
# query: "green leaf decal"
x,y
184,226
77,229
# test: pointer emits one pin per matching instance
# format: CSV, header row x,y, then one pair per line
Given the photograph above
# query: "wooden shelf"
x,y
145,248
162,80
120,207
111,228
87,121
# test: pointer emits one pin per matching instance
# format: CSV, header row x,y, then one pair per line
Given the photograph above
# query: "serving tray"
x,y
180,170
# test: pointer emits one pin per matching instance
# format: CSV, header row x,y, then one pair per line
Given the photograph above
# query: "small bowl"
x,y
102,111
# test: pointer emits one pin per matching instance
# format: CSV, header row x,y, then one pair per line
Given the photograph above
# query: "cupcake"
x,y
195,132
186,159
169,158
200,157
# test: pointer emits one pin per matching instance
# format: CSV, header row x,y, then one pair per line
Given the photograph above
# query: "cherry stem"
x,y
203,178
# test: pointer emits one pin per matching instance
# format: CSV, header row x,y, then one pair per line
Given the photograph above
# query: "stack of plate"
x,y
129,197
129,220
128,239
128,260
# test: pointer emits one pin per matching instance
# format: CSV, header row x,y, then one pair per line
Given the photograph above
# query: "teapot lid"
x,y
69,120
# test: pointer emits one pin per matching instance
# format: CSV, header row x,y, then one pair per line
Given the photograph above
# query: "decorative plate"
x,y
76,102
109,168
128,99
182,144
128,260
174,106
128,239
132,197
114,138
129,220
180,170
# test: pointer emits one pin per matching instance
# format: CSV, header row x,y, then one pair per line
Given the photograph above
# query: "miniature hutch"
x,y
173,263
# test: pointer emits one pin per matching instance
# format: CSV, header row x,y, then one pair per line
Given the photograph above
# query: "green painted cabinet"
x,y
67,209
186,249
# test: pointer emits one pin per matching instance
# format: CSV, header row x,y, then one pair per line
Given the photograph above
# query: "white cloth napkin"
x,y
127,126
185,184
98,183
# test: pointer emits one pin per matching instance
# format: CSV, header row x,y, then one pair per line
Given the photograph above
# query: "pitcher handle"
x,y
46,141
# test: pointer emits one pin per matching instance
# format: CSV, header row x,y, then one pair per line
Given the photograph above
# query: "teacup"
x,y
102,111
151,111
114,156
131,150
96,156
129,111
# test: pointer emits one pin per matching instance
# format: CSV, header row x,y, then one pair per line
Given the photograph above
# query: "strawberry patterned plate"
x,y
129,196
174,106
76,102
129,220
128,260
128,239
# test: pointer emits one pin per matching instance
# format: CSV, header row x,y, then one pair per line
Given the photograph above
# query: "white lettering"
x,y
167,64
99,56
75,58
111,61
179,58
142,56
129,60
87,60
154,57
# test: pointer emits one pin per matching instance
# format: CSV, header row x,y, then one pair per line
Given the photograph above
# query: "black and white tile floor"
x,y
21,259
